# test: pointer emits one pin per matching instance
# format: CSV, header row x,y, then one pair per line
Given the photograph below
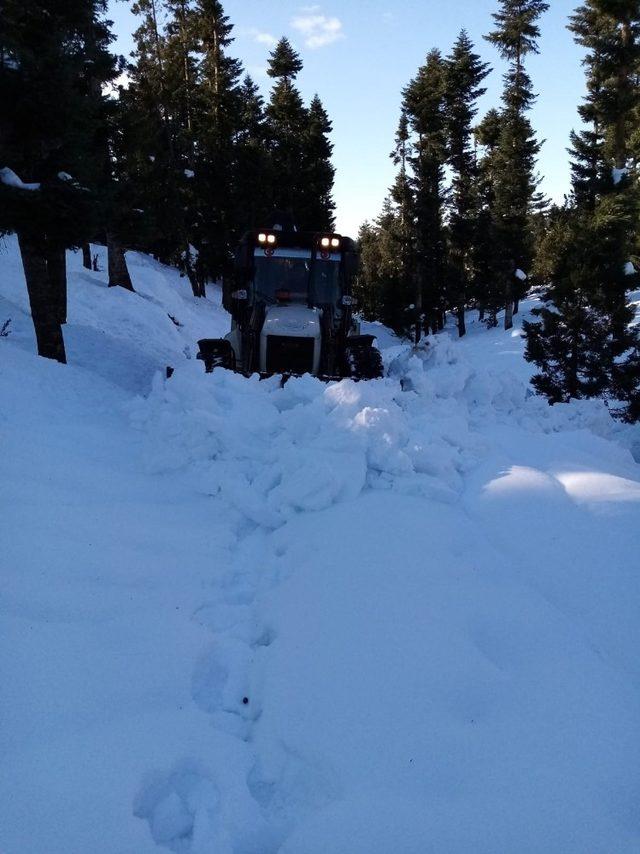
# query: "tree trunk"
x,y
508,314
462,328
516,305
191,274
57,272
45,308
86,256
117,263
481,313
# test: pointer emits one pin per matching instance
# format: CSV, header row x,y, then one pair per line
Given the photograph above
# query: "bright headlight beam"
x,y
262,238
335,242
325,241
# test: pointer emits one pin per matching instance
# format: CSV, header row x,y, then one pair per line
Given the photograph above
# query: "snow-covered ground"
x,y
396,616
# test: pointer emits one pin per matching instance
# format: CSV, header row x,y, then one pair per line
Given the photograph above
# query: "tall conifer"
x,y
287,122
464,75
516,36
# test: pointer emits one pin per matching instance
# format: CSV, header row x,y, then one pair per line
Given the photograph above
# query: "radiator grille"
x,y
289,355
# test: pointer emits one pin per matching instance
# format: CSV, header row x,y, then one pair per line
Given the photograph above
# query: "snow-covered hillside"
x,y
395,616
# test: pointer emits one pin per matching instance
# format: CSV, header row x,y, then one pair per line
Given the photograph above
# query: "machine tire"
x,y
216,353
362,360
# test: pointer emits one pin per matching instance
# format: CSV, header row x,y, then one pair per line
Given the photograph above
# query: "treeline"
x,y
464,225
178,162
458,227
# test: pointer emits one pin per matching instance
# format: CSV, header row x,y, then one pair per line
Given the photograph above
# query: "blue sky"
x,y
359,55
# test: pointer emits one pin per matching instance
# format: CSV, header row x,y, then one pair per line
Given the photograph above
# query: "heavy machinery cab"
x,y
291,304
275,266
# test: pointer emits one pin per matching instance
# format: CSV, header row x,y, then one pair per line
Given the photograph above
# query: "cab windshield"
x,y
317,284
282,273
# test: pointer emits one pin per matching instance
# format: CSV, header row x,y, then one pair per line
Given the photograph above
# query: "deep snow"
x,y
357,618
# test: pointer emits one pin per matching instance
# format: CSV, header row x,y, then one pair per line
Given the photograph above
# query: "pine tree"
x,y
400,226
464,75
424,103
217,125
318,205
588,252
486,289
287,121
516,36
252,180
387,282
149,136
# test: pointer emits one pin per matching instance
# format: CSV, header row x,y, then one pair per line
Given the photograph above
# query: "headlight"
x,y
325,242
262,238
271,238
335,242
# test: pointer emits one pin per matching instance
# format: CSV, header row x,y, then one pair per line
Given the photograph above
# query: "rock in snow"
x,y
357,618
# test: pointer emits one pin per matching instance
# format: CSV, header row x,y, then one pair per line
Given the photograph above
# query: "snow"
x,y
399,615
189,173
629,269
618,174
520,274
10,179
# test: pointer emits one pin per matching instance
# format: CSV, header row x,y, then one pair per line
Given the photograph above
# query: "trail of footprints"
x,y
183,807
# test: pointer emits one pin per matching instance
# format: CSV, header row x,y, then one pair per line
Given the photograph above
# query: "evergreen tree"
x,y
287,123
387,282
384,290
318,206
252,180
217,125
150,131
464,75
486,289
399,224
516,36
584,343
424,103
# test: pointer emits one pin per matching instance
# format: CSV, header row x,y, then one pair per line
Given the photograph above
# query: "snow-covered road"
x,y
389,616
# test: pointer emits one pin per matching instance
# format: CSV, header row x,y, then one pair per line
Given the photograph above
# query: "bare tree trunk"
x,y
508,313
45,306
516,305
86,255
481,313
57,272
462,328
196,286
117,263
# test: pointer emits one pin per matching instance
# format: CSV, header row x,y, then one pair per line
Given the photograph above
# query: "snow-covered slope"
x,y
389,616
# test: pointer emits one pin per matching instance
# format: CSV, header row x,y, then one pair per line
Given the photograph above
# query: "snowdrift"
x,y
399,615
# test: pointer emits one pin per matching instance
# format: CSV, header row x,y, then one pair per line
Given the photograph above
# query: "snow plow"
x,y
291,306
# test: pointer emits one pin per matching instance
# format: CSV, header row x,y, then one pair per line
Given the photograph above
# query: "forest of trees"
x,y
188,155
178,163
465,226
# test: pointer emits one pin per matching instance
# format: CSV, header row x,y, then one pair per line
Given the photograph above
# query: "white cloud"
x,y
318,30
261,37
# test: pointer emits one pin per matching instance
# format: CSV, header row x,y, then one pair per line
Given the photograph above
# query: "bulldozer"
x,y
292,309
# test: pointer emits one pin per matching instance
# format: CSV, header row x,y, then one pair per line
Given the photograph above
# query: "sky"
x,y
359,55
